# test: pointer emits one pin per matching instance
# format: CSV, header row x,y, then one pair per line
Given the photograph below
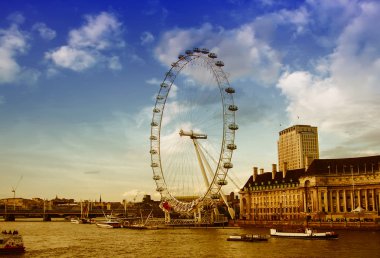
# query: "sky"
x,y
78,80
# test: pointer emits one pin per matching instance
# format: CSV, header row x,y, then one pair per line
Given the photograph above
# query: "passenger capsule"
x,y
212,55
154,124
222,182
205,51
188,52
156,110
196,50
168,74
156,177
174,64
159,97
153,138
181,56
230,90
231,146
233,127
215,196
154,165
153,152
228,165
160,189
232,108
219,63
164,85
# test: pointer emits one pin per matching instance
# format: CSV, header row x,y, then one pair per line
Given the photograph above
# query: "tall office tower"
x,y
297,147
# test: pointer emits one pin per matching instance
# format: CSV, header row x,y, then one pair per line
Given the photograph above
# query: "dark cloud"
x,y
91,172
366,144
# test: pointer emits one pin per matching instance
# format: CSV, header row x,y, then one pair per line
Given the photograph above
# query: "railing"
x,y
60,212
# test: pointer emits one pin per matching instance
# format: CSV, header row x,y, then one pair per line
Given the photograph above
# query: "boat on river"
x,y
248,238
109,223
142,225
139,226
11,243
84,218
307,234
81,221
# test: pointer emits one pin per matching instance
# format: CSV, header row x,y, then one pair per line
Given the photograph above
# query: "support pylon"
x,y
167,217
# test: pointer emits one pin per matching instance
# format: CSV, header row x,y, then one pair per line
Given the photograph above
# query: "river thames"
x,y
64,239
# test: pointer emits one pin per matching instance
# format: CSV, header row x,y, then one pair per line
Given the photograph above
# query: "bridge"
x,y
47,215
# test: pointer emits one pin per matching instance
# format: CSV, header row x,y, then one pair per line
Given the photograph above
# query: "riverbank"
x,y
365,226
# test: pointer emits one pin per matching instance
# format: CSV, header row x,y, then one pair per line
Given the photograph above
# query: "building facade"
x,y
297,147
329,189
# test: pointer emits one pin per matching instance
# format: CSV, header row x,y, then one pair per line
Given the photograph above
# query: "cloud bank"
x,y
245,55
343,100
13,44
88,45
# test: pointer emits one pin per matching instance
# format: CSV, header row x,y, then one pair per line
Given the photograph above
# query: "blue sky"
x,y
77,80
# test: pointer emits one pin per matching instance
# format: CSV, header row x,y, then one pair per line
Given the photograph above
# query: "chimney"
x,y
274,171
261,171
284,169
254,173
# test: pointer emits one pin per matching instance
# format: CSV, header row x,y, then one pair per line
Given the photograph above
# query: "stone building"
x,y
297,146
329,189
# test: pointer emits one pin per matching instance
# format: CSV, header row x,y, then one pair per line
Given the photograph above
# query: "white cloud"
x,y
143,117
29,76
298,17
136,59
8,67
44,31
146,38
16,17
100,32
13,43
243,54
51,72
314,99
292,22
154,81
114,63
88,44
345,99
266,2
72,58
133,195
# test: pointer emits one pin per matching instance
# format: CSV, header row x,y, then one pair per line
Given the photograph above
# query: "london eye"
x,y
193,133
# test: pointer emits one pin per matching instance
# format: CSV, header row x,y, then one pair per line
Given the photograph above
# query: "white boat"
x,y
80,221
248,238
308,234
109,224
75,220
11,243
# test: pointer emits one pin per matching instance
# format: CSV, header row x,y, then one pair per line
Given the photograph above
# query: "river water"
x,y
64,239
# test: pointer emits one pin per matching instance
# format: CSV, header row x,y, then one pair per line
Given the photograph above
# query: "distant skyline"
x,y
77,81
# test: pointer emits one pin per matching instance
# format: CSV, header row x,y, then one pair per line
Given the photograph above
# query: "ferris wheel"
x,y
193,132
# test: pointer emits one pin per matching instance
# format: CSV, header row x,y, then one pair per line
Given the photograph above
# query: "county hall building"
x,y
305,186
